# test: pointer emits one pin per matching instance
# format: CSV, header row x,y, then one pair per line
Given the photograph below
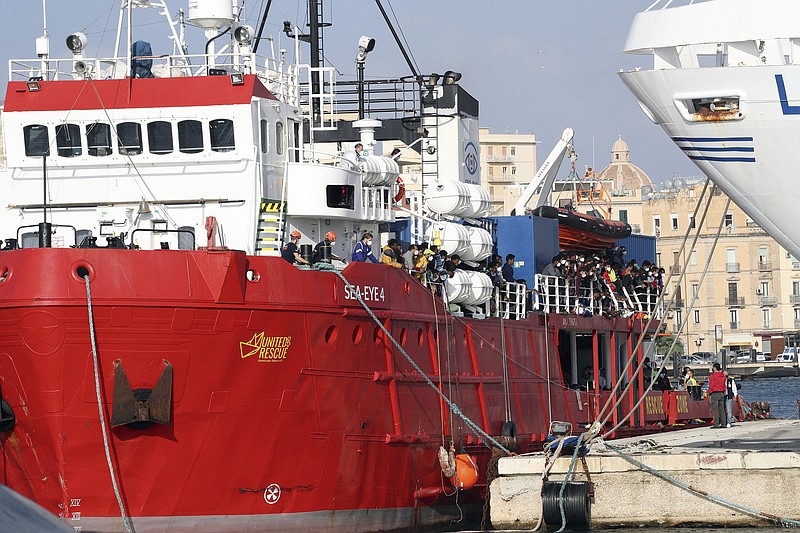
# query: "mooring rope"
x,y
453,407
123,514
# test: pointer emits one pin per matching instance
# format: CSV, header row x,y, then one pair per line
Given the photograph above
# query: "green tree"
x,y
663,342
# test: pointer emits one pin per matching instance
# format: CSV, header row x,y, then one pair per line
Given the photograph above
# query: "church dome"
x,y
624,174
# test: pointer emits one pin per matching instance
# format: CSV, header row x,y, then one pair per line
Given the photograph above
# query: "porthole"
x,y
358,334
402,338
330,334
420,337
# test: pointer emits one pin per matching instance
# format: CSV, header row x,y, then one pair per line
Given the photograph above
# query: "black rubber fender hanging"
x,y
509,435
509,429
7,417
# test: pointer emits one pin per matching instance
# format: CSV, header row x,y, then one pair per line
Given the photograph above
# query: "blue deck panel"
x,y
639,247
533,240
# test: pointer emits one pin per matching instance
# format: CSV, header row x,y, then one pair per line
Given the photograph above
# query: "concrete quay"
x,y
753,464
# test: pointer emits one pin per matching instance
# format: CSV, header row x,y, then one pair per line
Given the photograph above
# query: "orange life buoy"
x,y
401,191
466,472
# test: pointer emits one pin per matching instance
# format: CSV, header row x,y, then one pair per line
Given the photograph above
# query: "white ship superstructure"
x,y
725,86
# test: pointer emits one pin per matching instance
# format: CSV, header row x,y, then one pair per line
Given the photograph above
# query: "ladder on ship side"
x,y
271,224
430,147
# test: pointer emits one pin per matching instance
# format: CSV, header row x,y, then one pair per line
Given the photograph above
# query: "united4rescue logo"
x,y
268,349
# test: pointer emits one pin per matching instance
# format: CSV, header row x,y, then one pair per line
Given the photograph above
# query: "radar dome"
x,y
211,14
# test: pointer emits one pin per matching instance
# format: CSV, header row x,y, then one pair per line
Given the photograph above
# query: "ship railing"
x,y
555,294
376,203
280,77
317,97
510,302
645,300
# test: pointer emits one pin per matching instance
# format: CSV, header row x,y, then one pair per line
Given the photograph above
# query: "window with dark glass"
x,y
37,140
186,238
98,139
159,137
222,135
280,140
190,136
264,136
130,138
68,140
340,196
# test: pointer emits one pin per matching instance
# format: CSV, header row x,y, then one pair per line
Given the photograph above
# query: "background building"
x,y
508,164
751,293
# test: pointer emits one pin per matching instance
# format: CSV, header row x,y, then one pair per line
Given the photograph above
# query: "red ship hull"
x,y
283,382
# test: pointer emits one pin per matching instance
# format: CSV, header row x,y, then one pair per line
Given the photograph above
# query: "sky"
x,y
535,66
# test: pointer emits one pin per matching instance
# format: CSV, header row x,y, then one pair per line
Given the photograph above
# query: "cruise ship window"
x,y
222,139
129,136
37,140
98,139
280,141
190,136
264,136
68,140
159,137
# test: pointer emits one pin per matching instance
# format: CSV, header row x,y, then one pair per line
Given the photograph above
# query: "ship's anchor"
x,y
141,408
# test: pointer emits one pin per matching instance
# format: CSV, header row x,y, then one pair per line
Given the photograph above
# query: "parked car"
x,y
693,360
742,356
762,357
789,355
707,357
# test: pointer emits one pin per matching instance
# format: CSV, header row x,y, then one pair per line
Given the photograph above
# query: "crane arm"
x,y
545,175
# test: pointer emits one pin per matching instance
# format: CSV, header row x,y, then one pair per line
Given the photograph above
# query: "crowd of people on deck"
x,y
609,276
426,262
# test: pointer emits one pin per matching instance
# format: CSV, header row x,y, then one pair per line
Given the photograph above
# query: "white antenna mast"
x,y
43,43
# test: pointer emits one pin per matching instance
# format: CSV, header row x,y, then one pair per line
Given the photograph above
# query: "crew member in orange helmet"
x,y
329,240
290,251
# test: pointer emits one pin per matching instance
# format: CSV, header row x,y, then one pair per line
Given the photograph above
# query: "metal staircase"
x,y
271,223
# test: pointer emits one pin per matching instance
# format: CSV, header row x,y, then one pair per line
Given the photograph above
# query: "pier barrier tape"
x,y
776,520
125,519
453,407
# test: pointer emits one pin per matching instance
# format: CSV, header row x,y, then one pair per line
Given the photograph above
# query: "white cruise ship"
x,y
725,86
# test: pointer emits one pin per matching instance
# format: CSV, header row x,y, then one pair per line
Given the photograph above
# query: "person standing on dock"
x,y
716,391
731,392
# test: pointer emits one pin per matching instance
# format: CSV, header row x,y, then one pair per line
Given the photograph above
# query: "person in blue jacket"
x,y
363,249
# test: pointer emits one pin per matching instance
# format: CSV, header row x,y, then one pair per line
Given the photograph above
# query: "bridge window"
x,y
280,140
98,139
264,136
129,135
222,139
190,136
159,137
37,140
68,140
186,238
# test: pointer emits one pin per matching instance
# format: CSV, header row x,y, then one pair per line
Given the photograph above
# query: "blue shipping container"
x,y
533,240
639,247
